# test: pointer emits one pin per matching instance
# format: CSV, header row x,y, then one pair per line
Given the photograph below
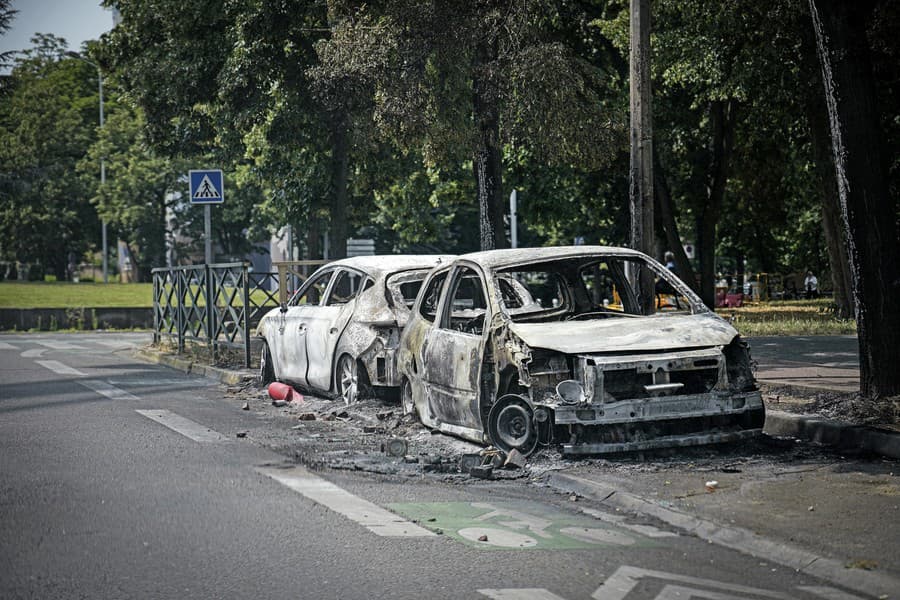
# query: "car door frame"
x,y
452,362
288,347
324,329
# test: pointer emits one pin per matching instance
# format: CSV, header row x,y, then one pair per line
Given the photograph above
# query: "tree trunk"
x,y
313,233
486,162
868,212
667,217
340,159
722,118
820,138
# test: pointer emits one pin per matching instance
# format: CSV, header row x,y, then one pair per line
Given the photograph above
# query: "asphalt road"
x,y
120,479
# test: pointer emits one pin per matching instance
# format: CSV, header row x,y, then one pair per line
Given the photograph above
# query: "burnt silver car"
x,y
531,347
339,332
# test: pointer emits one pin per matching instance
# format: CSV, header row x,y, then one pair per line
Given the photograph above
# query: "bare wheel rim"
x,y
514,425
347,380
510,425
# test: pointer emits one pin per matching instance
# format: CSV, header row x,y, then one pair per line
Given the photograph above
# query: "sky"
x,y
74,20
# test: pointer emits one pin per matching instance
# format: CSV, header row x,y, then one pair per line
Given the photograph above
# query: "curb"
x,y
736,538
832,433
226,376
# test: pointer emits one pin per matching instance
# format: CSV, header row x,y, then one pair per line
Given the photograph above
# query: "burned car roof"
x,y
380,265
497,259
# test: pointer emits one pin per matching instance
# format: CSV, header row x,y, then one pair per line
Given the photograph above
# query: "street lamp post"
x,y
102,159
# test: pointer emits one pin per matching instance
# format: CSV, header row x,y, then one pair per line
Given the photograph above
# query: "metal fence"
x,y
220,305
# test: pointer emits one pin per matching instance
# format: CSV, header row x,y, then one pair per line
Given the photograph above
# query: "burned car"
x,y
532,347
339,332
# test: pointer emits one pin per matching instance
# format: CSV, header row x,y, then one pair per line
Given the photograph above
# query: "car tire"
x,y
346,380
266,368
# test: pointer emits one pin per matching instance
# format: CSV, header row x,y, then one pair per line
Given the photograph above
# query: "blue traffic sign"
x,y
207,187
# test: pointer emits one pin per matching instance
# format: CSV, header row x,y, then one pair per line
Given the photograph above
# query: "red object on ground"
x,y
282,391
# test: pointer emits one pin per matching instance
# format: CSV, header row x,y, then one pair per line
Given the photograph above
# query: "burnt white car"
x,y
339,332
531,347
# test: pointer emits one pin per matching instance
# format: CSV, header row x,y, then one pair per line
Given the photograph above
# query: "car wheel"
x,y
406,397
511,425
347,380
266,368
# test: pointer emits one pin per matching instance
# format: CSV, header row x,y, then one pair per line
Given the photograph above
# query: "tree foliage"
x,y
47,121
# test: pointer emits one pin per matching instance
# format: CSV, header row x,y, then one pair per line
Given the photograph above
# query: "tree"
x,y
7,14
456,80
868,210
243,96
47,123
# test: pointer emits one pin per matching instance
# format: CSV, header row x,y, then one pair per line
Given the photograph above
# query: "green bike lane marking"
x,y
518,525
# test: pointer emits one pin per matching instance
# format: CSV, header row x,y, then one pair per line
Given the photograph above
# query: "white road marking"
x,y
54,345
6,346
113,343
829,593
626,578
172,381
105,388
59,368
186,427
520,594
374,518
33,353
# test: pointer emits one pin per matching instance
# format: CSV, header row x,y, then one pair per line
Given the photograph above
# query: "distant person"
x,y
663,286
811,285
670,261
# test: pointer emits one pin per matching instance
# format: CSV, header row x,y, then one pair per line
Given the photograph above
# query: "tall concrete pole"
x,y
641,171
78,56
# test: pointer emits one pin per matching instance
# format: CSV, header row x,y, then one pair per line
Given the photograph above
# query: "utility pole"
x,y
78,56
641,170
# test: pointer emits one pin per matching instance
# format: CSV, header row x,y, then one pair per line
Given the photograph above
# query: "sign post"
x,y
207,187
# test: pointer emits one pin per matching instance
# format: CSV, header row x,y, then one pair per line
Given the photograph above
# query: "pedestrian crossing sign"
x,y
207,186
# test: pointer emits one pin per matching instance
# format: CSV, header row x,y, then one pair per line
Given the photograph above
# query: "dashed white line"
x,y
59,368
520,594
829,593
186,427
113,343
107,389
6,346
33,353
54,345
371,516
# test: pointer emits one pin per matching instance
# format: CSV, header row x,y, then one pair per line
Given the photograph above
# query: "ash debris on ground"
x,y
374,436
370,436
848,407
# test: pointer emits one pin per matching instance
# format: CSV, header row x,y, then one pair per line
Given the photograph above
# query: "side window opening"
x,y
346,287
312,294
467,307
432,297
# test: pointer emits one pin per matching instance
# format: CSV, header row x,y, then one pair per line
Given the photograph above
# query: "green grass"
x,y
74,295
792,317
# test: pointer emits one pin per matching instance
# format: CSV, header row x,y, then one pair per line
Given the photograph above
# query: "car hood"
x,y
627,334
